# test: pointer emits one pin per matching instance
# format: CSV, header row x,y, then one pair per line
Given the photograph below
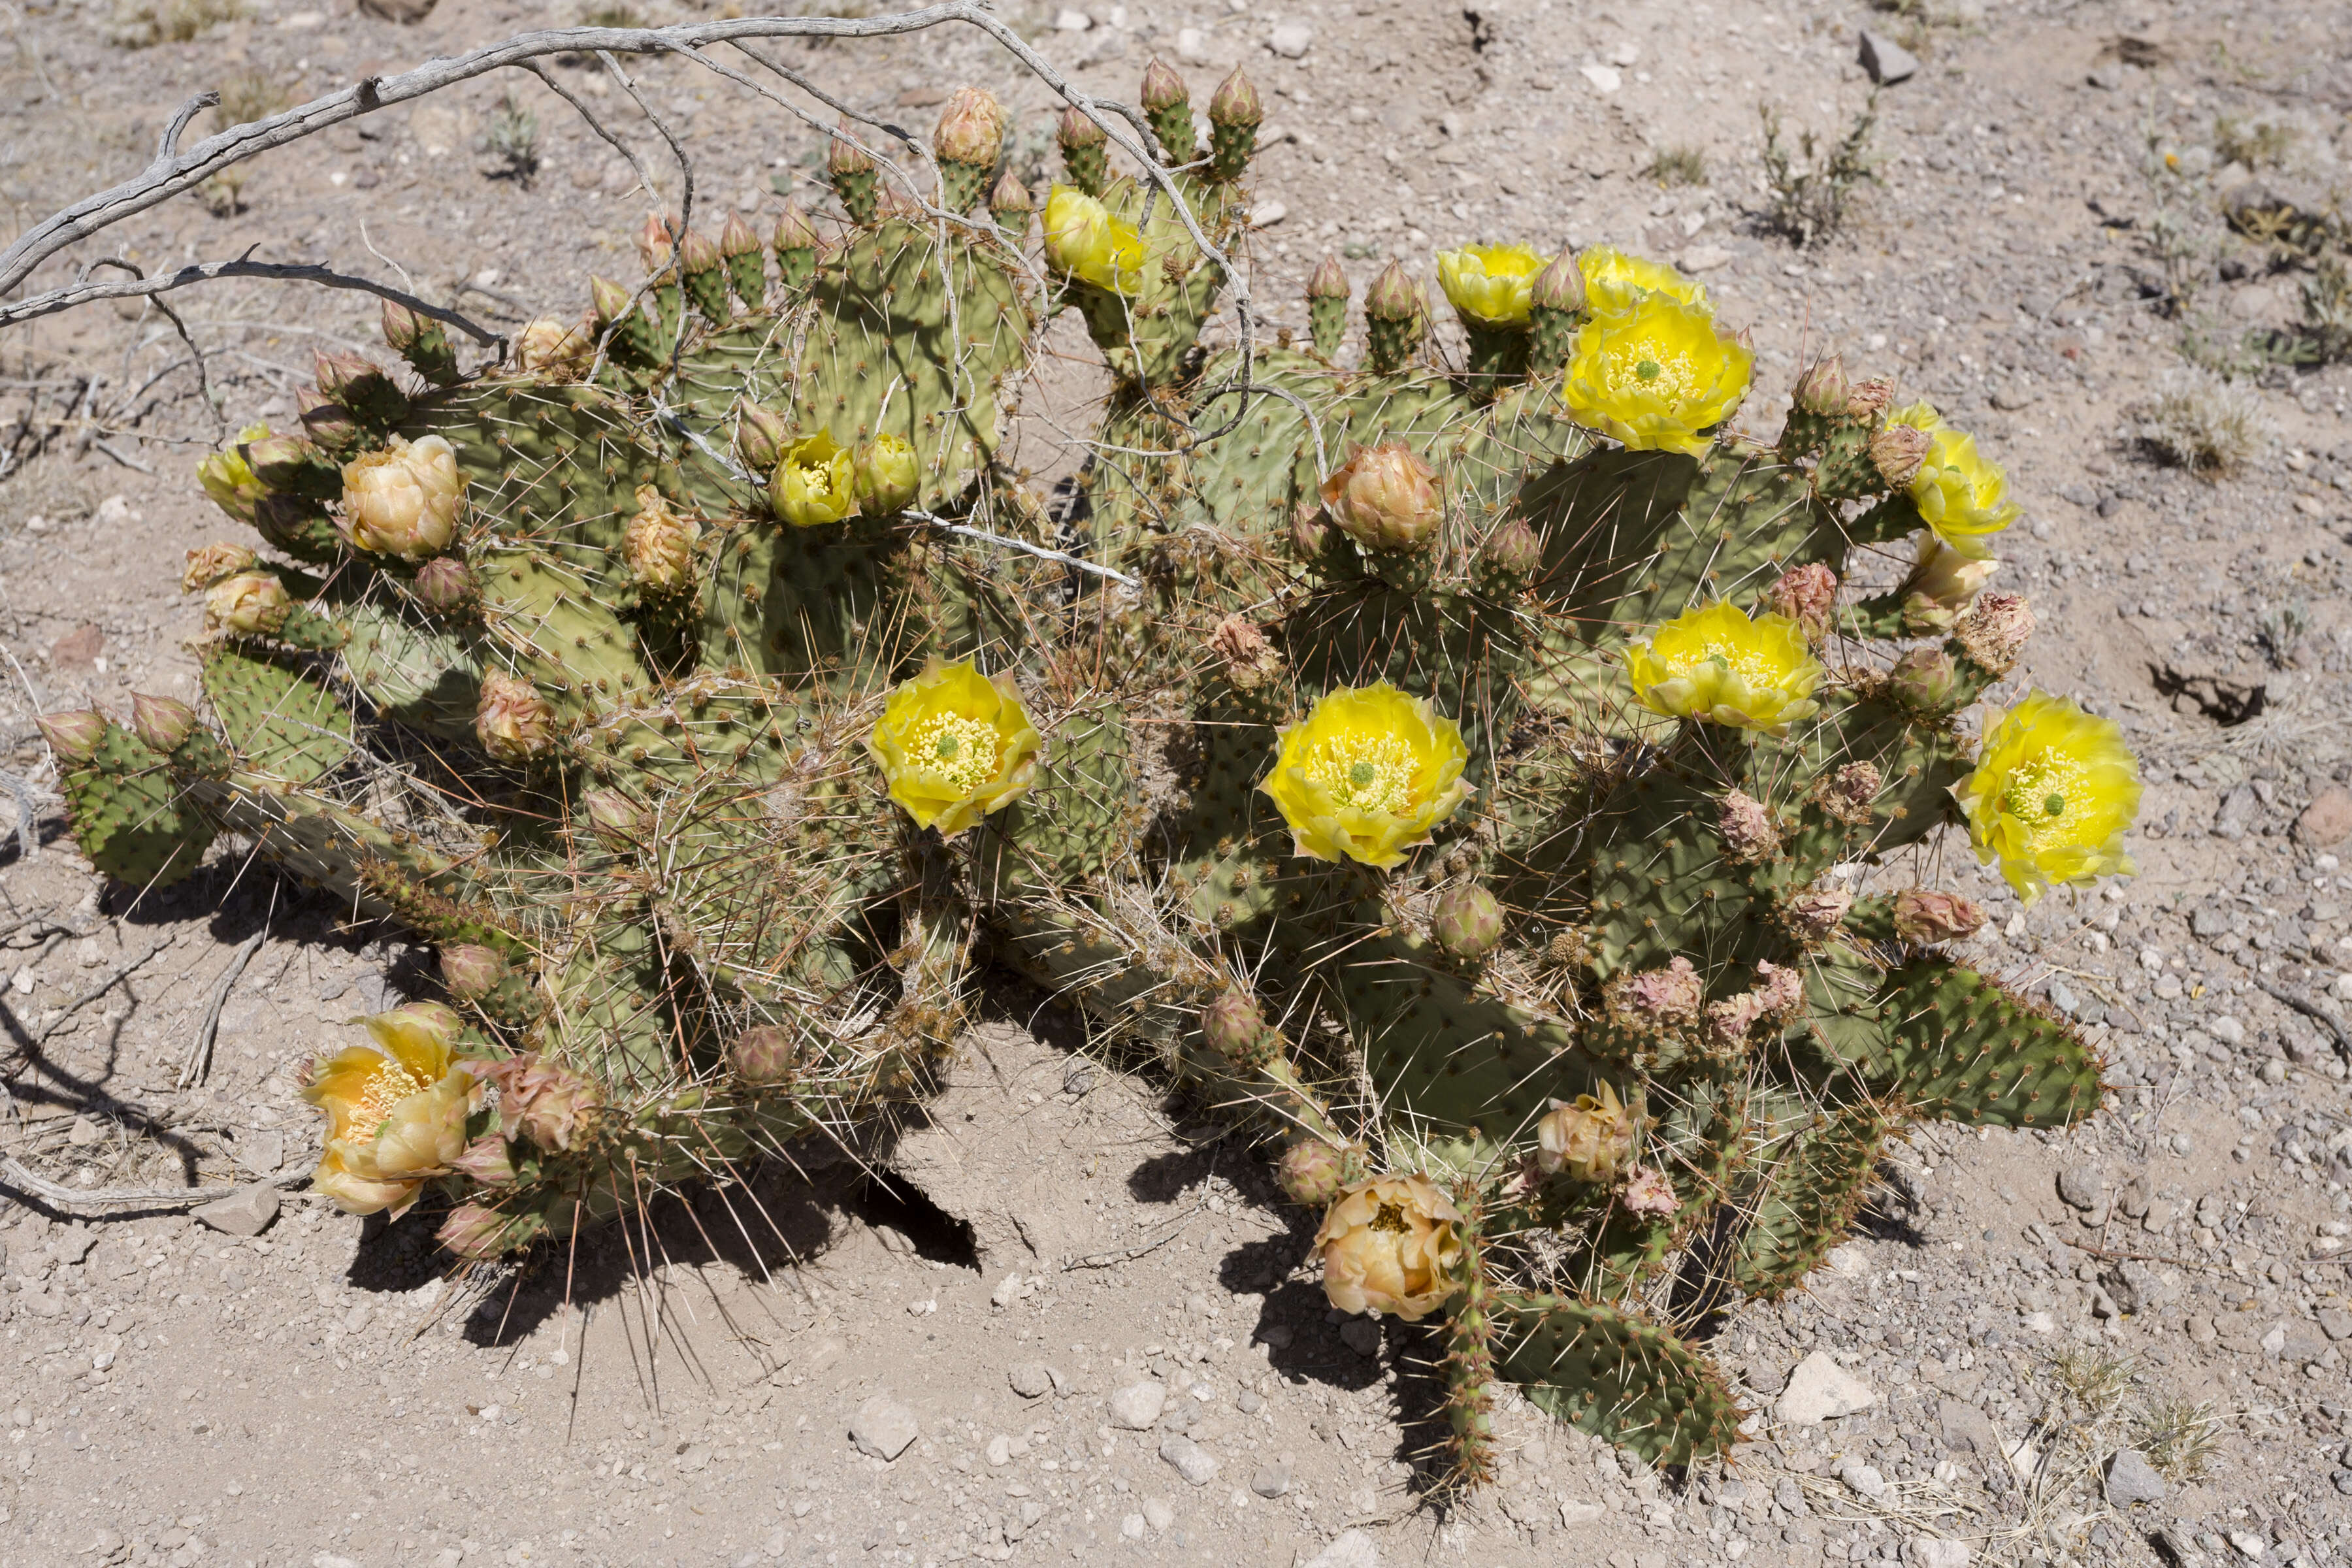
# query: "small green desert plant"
x,y
2178,1437
223,194
614,14
250,96
2255,143
2206,424
1812,189
1679,165
145,23
513,140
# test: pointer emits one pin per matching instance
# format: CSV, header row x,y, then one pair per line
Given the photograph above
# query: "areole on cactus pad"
x,y
1443,765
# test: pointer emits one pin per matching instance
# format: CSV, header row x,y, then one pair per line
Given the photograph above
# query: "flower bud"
x,y
1313,1172
1076,129
618,822
326,421
429,1019
1869,398
1466,921
1850,792
1655,999
248,604
513,723
1391,297
1588,1140
471,972
210,564
656,243
1233,1026
1922,679
1823,389
1747,828
552,1106
1236,103
659,544
1012,205
1162,87
1391,1245
348,379
229,480
162,721
736,239
698,253
843,156
1309,534
475,1232
970,128
1812,914
794,230
288,465
765,1054
1386,498
884,476
444,585
1241,648
608,300
1943,583
488,1161
1647,1194
760,436
1559,286
1514,551
1995,630
421,341
1897,451
1808,595
1923,915
74,735
402,501
1328,281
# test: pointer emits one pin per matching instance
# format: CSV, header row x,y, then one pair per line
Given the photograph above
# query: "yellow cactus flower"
x,y
1714,663
1085,239
1489,283
814,482
886,476
1960,494
1590,1137
1367,775
1615,282
955,746
1654,375
395,1110
2052,796
1391,1245
228,478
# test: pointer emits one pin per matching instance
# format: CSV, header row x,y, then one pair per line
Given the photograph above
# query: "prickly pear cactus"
x,y
1475,777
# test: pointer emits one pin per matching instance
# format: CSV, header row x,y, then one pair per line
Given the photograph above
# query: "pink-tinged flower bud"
x,y
552,1106
656,243
471,972
210,564
348,379
488,1161
794,230
421,341
736,239
608,300
699,253
1309,534
843,156
1466,921
1897,451
1922,679
1748,835
289,464
1648,1194
248,604
550,347
1236,103
1812,914
1011,203
1808,595
162,721
1313,1172
764,1056
326,421
1587,1139
1666,998
1076,129
1328,280
1559,286
1869,398
74,735
513,722
1850,792
970,128
1391,297
660,545
1386,498
1514,551
476,1232
1233,1026
618,822
1995,630
404,499
1823,389
444,585
1923,915
1162,87
761,437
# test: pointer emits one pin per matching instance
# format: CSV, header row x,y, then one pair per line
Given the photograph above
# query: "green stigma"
x,y
948,747
1649,370
2055,806
1362,775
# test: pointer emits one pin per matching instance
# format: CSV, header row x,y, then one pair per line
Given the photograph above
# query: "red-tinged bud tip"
x,y
1078,130
162,721
73,735
1162,87
1236,103
1330,280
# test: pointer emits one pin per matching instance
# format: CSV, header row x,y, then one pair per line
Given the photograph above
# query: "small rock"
x,y
1031,1380
1192,46
260,1149
2248,1543
1265,215
2107,76
1355,1549
1605,79
1291,40
1820,1389
1007,1292
1249,1403
245,1211
1157,1512
882,1428
2132,1480
2326,821
1705,258
999,1450
1932,1554
2336,1322
1887,61
1863,1481
1361,1335
2079,1187
2038,1324
1271,1481
1069,19
1573,1513
1131,1527
1193,1462
2227,1030
1137,1405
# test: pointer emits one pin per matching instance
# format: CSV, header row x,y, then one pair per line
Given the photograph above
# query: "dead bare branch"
x,y
85,293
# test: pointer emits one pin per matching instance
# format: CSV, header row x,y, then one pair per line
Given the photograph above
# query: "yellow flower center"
x,y
816,478
387,1085
1370,772
962,751
1753,665
2038,794
1658,370
1389,1218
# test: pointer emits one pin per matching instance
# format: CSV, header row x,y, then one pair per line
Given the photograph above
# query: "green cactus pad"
x,y
1614,1375
1966,1049
277,720
133,820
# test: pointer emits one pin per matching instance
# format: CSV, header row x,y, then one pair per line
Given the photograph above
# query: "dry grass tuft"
x,y
2205,423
